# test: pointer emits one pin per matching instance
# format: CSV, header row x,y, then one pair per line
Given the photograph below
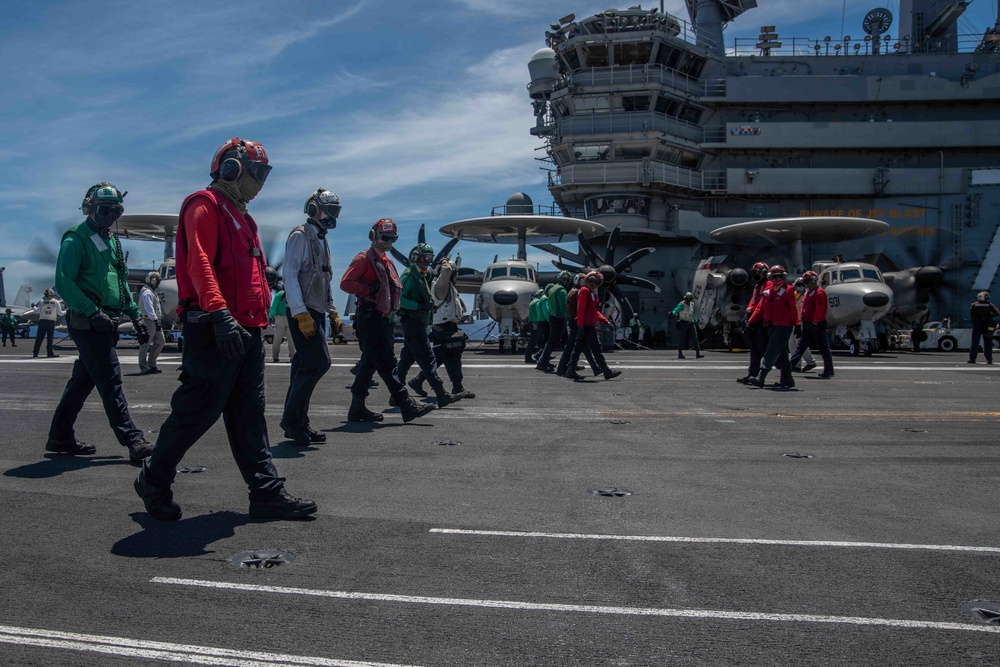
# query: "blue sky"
x,y
415,111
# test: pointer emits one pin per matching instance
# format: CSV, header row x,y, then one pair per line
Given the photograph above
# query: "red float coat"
x,y
814,306
220,263
776,306
587,314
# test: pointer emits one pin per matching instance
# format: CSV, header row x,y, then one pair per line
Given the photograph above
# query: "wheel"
x,y
947,344
854,347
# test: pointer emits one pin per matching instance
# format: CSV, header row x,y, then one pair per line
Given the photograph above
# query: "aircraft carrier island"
x,y
657,124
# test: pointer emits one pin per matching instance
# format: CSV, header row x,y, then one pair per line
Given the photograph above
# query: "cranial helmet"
x,y
49,293
595,279
539,294
578,279
422,255
777,271
983,297
326,201
810,276
688,296
237,157
271,276
759,271
151,277
103,204
384,231
565,278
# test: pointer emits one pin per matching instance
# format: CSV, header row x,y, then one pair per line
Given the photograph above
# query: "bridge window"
x,y
596,55
617,205
635,102
593,105
592,153
633,53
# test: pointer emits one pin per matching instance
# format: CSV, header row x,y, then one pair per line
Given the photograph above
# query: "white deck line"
x,y
719,540
516,605
185,653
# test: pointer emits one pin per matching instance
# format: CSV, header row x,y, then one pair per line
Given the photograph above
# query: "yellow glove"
x,y
336,326
306,325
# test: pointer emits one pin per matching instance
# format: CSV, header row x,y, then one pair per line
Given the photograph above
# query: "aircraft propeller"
x,y
422,238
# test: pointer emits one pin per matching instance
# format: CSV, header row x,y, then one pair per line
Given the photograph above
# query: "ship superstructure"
x,y
655,123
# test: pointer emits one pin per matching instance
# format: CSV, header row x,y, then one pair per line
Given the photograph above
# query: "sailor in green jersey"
x,y
92,278
556,295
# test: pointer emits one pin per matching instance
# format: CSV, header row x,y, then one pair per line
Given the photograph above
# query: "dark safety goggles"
x,y
258,170
388,238
425,259
109,211
778,275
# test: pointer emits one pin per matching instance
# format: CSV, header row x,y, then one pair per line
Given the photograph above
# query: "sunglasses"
x,y
388,238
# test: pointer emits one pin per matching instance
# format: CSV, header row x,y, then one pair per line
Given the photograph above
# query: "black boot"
x,y
462,392
417,386
359,413
444,398
409,408
159,500
786,381
760,379
281,505
608,373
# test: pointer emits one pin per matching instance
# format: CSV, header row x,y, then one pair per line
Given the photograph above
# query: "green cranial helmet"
x,y
422,255
565,278
103,204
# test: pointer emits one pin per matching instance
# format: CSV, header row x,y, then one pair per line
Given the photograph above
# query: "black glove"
x,y
797,330
101,323
374,288
159,325
141,332
228,334
750,331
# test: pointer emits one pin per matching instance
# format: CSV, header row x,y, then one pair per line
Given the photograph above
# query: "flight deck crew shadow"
x,y
287,449
56,464
178,539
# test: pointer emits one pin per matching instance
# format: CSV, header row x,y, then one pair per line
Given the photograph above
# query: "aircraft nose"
x,y
505,298
875,299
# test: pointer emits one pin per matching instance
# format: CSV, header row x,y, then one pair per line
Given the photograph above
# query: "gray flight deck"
x,y
494,551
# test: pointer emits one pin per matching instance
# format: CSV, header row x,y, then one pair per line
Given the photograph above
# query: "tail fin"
x,y
23,298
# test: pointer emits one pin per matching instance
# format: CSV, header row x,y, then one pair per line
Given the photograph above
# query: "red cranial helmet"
x,y
810,276
777,271
759,271
236,157
595,279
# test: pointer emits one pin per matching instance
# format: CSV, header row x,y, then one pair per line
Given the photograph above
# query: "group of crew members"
x,y
224,292
773,314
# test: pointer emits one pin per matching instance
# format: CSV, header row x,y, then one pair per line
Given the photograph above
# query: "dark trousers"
x,y
586,338
46,329
814,335
776,353
214,386
97,367
687,330
539,334
309,364
758,344
981,332
557,336
8,332
572,341
377,355
450,359
417,348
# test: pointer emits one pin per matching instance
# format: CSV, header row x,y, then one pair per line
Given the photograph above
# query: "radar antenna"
x,y
876,23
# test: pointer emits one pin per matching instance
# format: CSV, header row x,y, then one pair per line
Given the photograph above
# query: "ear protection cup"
x,y
231,168
88,200
312,210
371,232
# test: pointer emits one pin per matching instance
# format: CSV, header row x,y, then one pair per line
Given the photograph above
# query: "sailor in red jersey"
x,y
224,301
814,307
587,316
756,333
777,311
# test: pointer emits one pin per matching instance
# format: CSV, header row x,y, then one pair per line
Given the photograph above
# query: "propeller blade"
x,y
612,244
567,267
577,257
637,282
633,258
274,248
444,251
593,259
400,257
40,252
627,309
421,235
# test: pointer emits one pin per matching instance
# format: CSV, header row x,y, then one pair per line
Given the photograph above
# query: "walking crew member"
x,y
92,277
814,309
372,278
152,313
796,337
535,315
687,326
416,310
776,310
224,299
756,333
278,317
982,313
587,317
8,326
309,298
556,295
572,330
447,339
49,310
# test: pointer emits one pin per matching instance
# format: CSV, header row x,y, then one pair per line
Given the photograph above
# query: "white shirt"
x,y
149,303
49,309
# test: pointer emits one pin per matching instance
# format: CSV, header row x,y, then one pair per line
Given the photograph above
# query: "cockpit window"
x,y
849,275
498,272
519,272
872,274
